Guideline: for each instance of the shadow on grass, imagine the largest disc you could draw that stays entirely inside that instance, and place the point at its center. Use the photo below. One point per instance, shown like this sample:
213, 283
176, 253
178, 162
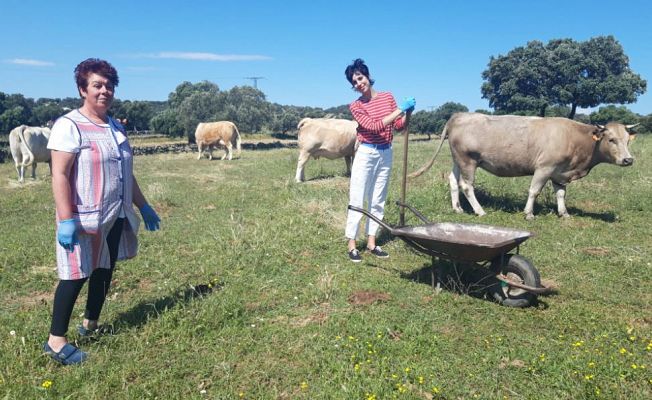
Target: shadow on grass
514, 206
326, 177
472, 280
284, 136
143, 312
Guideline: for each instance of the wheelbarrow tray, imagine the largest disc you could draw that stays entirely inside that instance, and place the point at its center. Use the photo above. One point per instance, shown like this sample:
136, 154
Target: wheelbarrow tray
461, 242
455, 241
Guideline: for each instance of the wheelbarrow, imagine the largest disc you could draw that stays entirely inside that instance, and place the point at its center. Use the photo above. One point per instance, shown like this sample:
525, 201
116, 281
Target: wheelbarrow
519, 281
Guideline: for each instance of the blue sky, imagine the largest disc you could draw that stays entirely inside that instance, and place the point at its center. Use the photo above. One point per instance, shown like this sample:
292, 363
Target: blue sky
434, 51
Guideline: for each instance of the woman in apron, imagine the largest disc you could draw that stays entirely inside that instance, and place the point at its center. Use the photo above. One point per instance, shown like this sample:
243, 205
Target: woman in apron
94, 193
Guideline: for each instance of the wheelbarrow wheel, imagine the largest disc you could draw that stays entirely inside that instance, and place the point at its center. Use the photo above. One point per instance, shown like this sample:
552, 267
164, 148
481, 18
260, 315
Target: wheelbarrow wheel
518, 269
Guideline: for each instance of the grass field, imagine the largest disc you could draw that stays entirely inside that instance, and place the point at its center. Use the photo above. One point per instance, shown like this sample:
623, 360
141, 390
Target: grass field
247, 292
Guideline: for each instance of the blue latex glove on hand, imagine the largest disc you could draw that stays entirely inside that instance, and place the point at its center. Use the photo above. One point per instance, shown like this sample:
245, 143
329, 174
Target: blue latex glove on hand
150, 217
407, 104
67, 234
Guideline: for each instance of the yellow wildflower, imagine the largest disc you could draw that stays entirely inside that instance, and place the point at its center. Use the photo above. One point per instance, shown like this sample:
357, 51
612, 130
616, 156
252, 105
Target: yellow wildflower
304, 385
46, 384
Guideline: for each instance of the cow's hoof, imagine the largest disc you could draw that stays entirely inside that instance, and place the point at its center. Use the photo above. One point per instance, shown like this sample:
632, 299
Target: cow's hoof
529, 217
565, 215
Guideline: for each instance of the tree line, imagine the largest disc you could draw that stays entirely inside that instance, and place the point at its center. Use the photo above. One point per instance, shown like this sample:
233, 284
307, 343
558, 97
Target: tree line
553, 79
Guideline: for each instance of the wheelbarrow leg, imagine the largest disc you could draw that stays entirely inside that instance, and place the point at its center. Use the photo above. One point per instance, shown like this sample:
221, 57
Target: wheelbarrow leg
434, 279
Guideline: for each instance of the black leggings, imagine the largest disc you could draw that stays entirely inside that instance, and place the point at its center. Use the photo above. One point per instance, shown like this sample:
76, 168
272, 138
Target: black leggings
98, 286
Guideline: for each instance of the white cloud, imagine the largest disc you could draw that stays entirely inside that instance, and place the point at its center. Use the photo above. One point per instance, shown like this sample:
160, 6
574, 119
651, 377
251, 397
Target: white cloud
34, 63
179, 55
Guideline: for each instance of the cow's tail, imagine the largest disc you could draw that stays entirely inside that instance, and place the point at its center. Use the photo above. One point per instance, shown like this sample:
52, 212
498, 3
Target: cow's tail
238, 141
427, 166
29, 159
302, 123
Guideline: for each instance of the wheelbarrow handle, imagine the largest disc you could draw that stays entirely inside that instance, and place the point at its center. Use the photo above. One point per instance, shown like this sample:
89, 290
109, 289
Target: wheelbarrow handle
368, 214
414, 211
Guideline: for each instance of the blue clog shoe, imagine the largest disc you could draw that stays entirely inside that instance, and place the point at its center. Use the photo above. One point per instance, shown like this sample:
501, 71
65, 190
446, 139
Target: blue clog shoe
69, 354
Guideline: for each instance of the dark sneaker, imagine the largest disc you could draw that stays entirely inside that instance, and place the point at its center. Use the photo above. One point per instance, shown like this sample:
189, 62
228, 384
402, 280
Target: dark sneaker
354, 255
378, 252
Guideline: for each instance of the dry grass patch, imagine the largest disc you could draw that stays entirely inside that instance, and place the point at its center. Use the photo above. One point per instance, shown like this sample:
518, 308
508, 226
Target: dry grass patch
31, 301
368, 297
596, 251
335, 218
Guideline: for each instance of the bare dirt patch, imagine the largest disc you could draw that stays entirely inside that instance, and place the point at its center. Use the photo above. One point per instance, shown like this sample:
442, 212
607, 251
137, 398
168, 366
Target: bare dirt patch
317, 318
596, 251
506, 362
31, 301
368, 297
550, 283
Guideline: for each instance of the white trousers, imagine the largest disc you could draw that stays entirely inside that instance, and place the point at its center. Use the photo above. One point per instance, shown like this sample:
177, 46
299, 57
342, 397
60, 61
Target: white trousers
369, 183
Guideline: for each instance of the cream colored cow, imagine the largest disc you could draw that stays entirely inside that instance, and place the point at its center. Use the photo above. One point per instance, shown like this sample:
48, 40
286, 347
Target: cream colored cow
559, 150
325, 137
212, 134
29, 145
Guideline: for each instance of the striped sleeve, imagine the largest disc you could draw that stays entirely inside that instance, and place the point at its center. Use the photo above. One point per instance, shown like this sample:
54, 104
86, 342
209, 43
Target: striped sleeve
366, 121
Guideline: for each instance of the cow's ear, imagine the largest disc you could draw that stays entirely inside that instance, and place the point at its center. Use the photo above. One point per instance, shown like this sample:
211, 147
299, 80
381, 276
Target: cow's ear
598, 132
632, 136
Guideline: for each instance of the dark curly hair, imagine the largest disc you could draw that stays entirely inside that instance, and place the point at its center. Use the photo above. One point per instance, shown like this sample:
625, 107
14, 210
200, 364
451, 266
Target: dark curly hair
358, 65
95, 66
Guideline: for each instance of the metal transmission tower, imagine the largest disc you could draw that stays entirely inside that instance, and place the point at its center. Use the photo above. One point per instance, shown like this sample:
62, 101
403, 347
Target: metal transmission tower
255, 80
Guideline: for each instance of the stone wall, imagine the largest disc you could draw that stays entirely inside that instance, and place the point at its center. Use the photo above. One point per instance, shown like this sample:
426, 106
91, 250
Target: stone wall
5, 154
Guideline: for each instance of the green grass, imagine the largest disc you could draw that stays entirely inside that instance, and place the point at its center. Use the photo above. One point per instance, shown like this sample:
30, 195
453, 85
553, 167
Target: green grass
284, 322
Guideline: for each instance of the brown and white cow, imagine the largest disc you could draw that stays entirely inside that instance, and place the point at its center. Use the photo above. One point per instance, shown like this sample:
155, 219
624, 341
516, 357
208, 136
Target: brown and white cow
212, 134
325, 137
556, 149
29, 145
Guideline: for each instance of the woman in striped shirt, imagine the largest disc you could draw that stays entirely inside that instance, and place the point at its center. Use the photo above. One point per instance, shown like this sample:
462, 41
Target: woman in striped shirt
377, 115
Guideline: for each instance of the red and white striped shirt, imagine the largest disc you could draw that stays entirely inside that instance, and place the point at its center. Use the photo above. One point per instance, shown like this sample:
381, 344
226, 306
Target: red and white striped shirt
369, 114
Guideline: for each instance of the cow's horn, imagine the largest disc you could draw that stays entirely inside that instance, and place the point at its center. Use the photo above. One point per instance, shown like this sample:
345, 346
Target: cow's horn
601, 127
632, 126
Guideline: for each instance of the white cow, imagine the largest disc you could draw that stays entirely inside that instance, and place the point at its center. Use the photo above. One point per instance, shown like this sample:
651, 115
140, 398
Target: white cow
29, 145
325, 137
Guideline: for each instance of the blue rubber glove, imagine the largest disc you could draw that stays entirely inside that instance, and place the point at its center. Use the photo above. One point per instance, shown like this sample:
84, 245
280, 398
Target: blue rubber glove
150, 217
407, 104
67, 234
